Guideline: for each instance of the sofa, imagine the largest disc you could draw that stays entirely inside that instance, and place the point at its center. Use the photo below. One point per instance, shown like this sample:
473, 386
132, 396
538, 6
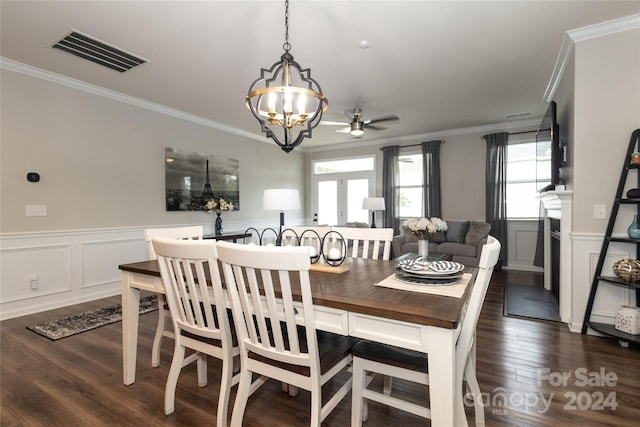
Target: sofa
463, 240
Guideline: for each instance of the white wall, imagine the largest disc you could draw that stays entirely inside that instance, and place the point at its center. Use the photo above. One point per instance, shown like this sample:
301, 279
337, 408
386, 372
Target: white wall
101, 163
606, 111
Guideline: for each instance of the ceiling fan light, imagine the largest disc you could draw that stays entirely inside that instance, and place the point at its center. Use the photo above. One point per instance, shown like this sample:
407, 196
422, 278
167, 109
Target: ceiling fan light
357, 128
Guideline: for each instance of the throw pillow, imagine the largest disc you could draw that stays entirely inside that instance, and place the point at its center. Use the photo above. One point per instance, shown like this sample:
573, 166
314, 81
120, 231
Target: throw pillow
456, 231
477, 231
439, 237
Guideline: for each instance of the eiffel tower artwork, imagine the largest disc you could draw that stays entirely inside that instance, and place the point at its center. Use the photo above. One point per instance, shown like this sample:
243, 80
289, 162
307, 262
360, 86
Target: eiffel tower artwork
207, 192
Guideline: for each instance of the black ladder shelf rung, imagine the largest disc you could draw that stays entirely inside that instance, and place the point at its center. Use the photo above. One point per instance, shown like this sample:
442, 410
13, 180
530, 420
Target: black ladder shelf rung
620, 199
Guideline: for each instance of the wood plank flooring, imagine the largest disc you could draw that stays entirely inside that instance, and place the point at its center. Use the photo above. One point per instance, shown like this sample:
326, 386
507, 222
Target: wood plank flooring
77, 381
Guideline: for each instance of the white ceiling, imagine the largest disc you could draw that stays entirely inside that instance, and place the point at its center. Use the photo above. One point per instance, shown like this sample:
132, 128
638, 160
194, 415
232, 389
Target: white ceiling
437, 65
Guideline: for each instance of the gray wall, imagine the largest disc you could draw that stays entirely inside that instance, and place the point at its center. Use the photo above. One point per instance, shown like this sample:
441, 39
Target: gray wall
607, 110
101, 161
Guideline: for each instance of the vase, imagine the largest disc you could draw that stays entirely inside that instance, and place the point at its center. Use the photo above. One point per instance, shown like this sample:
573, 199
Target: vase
634, 230
423, 248
218, 224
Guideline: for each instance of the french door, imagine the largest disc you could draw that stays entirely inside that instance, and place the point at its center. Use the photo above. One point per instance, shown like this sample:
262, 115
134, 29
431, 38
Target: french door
338, 197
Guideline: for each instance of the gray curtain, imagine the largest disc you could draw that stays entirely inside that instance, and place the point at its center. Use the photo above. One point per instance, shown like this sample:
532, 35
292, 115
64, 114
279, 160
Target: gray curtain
390, 187
496, 188
431, 173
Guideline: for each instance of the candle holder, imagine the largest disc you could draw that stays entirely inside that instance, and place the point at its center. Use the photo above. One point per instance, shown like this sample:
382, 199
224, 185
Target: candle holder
266, 239
288, 237
334, 248
312, 240
253, 239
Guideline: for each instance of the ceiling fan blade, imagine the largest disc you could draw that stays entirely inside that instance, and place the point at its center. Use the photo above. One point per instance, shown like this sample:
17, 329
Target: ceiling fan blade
390, 118
344, 130
373, 127
330, 123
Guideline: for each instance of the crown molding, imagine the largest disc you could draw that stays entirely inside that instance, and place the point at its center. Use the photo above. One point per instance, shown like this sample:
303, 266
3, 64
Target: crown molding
38, 73
572, 37
606, 28
496, 127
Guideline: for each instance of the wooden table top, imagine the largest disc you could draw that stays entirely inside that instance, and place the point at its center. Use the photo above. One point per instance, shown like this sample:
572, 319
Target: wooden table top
354, 290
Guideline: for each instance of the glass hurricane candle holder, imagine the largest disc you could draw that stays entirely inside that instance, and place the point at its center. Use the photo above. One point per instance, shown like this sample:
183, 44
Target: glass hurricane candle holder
334, 248
312, 240
289, 238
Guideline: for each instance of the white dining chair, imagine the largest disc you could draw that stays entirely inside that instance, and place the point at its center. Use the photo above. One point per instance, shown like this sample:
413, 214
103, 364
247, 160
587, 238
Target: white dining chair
370, 358
367, 243
261, 283
201, 321
164, 327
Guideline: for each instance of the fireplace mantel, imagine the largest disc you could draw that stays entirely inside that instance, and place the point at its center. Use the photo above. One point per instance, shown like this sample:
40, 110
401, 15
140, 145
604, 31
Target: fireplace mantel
553, 200
558, 204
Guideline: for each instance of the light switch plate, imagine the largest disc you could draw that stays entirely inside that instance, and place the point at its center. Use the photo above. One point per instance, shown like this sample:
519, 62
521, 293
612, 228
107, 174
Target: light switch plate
599, 211
36, 210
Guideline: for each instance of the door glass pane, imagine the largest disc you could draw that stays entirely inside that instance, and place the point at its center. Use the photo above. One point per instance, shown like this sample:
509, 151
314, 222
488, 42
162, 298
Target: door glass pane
357, 189
328, 203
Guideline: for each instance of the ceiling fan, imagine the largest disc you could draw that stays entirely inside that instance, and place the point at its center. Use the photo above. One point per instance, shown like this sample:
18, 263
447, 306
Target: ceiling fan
357, 125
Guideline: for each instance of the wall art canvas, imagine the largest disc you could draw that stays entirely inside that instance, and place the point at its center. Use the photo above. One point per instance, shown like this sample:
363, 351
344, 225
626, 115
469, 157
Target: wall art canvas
192, 179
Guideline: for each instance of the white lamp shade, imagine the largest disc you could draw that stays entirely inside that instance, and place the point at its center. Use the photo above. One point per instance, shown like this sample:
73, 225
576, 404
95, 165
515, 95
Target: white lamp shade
373, 203
280, 200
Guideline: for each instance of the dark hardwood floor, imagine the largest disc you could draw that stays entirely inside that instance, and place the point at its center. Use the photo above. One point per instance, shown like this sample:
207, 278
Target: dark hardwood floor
533, 373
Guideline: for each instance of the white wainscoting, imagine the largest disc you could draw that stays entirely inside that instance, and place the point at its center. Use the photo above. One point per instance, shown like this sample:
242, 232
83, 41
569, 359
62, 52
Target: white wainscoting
71, 266
522, 236
586, 250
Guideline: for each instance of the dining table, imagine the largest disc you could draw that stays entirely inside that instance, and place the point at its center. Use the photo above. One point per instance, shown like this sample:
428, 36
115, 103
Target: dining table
352, 301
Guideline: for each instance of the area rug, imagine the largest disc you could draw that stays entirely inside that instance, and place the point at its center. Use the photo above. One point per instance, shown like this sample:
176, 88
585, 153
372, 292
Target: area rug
533, 302
78, 323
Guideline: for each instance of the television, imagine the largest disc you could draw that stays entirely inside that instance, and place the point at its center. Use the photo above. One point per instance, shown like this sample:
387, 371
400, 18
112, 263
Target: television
548, 145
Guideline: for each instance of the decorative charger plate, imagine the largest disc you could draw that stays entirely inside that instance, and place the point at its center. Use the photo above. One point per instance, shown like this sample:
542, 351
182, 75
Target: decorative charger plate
434, 268
426, 281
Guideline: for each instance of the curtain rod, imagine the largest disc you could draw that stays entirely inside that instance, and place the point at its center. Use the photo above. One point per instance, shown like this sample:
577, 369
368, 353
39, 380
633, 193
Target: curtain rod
516, 133
413, 145
526, 131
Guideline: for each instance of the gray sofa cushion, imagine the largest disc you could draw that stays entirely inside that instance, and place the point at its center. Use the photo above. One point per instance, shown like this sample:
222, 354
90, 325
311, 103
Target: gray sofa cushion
456, 231
476, 232
456, 249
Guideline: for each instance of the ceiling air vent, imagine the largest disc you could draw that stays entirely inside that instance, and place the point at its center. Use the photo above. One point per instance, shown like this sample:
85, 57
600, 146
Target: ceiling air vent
97, 51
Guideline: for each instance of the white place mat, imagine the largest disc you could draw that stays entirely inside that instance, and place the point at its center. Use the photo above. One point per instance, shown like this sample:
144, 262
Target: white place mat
456, 290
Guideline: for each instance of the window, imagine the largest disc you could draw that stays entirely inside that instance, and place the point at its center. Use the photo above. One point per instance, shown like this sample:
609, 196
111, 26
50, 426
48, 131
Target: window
528, 171
410, 186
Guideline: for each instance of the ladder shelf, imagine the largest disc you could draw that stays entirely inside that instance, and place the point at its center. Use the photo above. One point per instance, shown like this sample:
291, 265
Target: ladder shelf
620, 199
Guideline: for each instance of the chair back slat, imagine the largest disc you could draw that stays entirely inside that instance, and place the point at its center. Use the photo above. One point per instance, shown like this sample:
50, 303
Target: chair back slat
194, 232
488, 260
193, 286
260, 282
367, 242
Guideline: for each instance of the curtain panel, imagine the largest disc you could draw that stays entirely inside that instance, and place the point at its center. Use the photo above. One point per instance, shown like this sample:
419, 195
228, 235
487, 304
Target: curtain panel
431, 178
496, 188
390, 187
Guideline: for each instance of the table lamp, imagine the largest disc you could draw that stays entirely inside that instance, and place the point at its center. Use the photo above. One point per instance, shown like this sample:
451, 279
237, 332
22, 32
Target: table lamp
280, 200
373, 204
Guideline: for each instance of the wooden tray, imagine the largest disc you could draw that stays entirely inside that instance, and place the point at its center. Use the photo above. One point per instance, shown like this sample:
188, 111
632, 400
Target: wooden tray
326, 268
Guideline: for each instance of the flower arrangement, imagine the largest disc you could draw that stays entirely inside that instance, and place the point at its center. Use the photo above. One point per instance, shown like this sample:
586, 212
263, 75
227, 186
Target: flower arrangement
423, 228
218, 205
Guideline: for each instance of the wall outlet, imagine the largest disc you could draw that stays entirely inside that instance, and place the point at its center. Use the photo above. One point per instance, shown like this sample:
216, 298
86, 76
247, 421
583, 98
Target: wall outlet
33, 282
36, 210
599, 211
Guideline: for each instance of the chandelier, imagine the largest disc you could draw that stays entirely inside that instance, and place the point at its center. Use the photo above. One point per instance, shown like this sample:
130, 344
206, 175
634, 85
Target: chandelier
287, 102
